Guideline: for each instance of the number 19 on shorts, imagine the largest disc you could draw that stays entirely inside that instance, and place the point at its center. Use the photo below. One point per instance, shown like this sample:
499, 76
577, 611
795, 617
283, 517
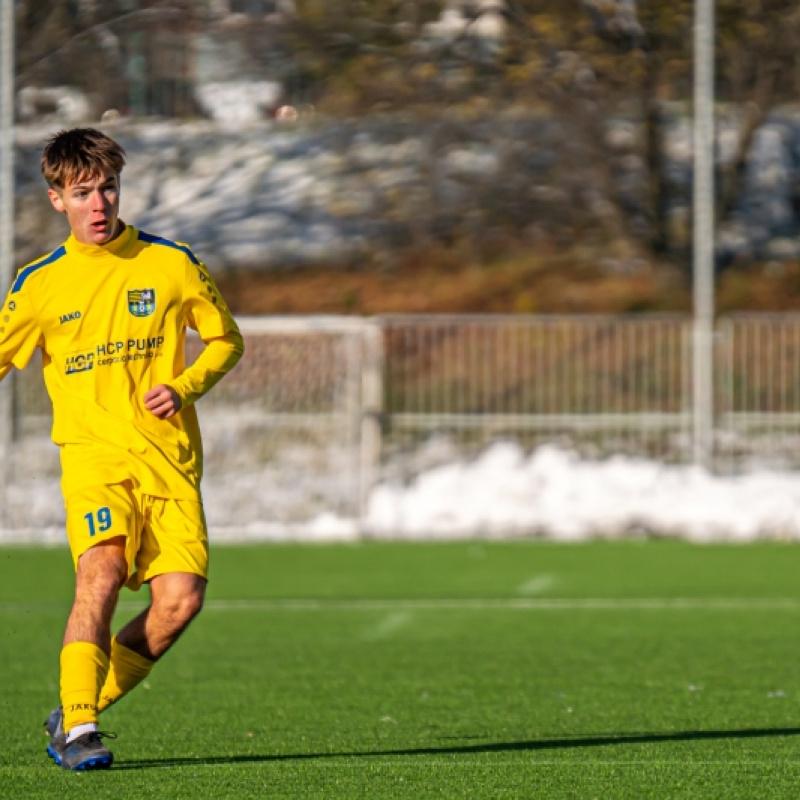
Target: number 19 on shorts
99, 520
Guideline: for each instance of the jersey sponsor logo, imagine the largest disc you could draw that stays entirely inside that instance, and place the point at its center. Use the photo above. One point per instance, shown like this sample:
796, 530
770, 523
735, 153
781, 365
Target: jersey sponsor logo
123, 352
141, 302
79, 362
73, 315
12, 306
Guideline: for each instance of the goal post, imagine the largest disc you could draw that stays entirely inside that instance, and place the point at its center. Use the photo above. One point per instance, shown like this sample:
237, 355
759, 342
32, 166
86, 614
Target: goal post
298, 420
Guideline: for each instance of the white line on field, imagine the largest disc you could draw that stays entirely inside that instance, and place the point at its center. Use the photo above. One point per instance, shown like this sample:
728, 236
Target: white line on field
538, 584
467, 604
389, 625
512, 604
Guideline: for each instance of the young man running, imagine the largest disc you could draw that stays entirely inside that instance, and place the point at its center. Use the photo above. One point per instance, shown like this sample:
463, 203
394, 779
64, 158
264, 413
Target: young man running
109, 310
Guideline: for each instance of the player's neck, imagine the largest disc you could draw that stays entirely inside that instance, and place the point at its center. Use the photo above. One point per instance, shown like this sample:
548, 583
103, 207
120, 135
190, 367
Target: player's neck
114, 246
118, 231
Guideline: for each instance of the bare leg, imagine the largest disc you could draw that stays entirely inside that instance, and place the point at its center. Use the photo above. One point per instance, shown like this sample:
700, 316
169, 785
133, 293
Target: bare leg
176, 599
101, 572
87, 639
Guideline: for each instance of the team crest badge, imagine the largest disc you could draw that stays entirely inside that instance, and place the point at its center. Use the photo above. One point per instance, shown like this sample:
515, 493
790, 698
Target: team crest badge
141, 302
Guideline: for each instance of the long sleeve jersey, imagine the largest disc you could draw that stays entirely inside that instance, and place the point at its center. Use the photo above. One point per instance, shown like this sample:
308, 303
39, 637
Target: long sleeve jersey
111, 322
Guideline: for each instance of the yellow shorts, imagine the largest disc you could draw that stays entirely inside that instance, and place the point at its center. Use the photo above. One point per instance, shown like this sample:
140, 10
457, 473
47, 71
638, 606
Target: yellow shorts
162, 535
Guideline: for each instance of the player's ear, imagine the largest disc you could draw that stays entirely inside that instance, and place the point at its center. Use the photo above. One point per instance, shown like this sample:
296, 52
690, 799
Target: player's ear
56, 200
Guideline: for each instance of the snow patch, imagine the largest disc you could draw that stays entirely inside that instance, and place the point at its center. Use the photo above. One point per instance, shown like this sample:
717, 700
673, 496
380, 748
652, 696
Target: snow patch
503, 493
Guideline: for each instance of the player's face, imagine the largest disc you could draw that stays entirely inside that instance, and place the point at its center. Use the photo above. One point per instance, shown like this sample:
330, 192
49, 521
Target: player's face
92, 207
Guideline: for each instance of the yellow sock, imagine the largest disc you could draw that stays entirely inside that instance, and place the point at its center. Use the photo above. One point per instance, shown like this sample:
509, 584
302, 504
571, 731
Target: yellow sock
83, 671
128, 669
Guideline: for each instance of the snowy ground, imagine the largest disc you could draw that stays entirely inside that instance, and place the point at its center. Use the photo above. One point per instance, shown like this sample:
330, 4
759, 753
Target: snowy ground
503, 493
552, 493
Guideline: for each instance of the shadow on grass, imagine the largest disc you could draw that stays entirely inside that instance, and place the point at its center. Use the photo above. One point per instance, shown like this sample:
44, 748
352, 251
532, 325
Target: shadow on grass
495, 747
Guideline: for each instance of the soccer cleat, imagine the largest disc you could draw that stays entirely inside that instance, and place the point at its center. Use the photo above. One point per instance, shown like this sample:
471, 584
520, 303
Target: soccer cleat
87, 752
54, 725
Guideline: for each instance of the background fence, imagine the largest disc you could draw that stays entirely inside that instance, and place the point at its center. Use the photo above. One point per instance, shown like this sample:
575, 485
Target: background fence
322, 409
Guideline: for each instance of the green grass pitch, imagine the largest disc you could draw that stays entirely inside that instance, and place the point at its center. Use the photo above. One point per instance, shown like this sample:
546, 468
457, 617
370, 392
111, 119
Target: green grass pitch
462, 670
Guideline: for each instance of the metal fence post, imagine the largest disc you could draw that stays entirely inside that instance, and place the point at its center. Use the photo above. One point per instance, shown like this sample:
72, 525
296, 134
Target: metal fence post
703, 234
372, 392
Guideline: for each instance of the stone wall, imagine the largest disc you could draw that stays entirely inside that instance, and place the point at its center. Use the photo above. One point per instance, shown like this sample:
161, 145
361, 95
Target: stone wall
356, 193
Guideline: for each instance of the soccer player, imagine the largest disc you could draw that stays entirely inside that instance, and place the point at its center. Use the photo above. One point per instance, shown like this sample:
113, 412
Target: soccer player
109, 309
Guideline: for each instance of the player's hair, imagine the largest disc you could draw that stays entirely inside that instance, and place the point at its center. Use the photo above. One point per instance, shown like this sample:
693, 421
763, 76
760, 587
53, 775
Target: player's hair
80, 153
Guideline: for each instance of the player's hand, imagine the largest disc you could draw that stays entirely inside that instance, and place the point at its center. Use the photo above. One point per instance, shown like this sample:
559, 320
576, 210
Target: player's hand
162, 402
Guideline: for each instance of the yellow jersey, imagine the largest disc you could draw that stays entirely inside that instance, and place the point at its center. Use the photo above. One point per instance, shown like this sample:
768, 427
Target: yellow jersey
111, 322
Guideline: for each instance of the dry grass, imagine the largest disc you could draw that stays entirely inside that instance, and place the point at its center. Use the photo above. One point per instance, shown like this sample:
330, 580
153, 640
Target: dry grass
513, 285
521, 283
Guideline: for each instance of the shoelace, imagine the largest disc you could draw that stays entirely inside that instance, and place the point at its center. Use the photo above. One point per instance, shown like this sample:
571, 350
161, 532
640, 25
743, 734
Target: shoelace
93, 736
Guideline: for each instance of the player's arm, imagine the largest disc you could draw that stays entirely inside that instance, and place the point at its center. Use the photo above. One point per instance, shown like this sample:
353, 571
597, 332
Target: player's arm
206, 312
19, 331
217, 359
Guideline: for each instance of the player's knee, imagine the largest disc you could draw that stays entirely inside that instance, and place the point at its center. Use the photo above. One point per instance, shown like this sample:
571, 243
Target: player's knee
180, 609
191, 605
177, 599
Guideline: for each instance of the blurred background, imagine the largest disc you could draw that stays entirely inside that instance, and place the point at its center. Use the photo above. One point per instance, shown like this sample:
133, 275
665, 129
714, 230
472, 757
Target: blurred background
459, 155
458, 234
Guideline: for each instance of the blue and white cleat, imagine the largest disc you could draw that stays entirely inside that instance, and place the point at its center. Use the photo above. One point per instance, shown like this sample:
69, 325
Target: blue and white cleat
87, 752
54, 725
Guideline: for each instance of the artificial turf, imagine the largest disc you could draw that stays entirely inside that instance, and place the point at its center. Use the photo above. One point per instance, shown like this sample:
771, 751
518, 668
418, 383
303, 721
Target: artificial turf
478, 670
